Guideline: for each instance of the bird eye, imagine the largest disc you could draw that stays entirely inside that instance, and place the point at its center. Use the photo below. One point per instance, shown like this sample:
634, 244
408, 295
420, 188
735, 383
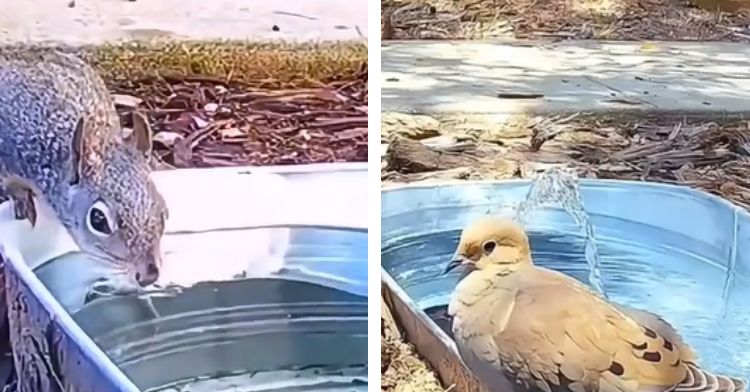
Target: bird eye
99, 220
489, 246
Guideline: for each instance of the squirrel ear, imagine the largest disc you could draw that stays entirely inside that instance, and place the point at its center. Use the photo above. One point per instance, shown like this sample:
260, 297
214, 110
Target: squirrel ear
140, 137
76, 152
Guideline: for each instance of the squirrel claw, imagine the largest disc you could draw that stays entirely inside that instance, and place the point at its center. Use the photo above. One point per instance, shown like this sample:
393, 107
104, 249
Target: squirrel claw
23, 206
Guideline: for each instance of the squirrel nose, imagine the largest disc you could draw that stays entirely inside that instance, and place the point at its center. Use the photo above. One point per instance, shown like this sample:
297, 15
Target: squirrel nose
148, 275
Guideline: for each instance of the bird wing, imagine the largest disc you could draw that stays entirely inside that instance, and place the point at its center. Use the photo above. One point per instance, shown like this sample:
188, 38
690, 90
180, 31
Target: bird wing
661, 327
544, 329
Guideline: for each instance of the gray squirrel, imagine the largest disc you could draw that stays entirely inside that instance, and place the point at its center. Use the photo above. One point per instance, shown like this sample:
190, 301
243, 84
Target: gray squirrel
61, 143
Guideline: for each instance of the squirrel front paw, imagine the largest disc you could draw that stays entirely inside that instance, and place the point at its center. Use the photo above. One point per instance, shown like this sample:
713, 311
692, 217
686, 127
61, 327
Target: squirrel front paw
24, 208
23, 202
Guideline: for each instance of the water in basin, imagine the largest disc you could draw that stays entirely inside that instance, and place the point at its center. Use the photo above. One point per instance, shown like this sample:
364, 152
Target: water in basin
685, 290
261, 334
632, 264
311, 379
304, 328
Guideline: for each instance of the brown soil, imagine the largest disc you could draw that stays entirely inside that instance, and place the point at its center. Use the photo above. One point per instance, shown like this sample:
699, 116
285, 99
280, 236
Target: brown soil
402, 370
201, 122
707, 155
234, 103
674, 20
223, 103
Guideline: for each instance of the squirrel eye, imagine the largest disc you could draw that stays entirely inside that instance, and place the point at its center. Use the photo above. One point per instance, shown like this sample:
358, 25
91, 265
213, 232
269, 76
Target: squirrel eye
489, 246
99, 220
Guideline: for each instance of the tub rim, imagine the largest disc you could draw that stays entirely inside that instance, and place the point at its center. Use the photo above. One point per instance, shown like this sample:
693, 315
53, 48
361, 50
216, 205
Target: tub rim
587, 182
430, 341
89, 350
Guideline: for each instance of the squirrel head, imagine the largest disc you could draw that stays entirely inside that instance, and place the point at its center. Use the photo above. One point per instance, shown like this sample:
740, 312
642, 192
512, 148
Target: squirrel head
118, 215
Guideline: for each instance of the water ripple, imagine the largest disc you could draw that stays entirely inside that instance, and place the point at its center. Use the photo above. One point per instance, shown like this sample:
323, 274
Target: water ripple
685, 289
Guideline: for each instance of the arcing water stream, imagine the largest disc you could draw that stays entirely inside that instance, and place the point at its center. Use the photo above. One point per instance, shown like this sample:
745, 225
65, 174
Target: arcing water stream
559, 188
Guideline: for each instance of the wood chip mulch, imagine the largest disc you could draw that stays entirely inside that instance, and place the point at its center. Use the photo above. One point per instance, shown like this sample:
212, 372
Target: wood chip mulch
629, 20
707, 155
205, 122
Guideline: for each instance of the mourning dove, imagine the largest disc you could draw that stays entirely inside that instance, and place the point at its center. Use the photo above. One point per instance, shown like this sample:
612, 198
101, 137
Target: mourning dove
542, 330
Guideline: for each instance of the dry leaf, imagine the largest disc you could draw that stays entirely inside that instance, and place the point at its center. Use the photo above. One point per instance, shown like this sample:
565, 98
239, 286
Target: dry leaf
231, 132
168, 139
127, 101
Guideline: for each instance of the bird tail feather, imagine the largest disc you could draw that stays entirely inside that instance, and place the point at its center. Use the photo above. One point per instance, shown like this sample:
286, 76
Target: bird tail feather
699, 380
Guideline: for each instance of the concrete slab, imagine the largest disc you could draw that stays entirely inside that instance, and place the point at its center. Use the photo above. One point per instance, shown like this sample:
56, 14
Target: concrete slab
96, 21
505, 78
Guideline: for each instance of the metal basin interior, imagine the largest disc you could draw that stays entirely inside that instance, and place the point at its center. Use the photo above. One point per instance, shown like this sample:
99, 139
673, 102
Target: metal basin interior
286, 323
694, 222
254, 333
311, 315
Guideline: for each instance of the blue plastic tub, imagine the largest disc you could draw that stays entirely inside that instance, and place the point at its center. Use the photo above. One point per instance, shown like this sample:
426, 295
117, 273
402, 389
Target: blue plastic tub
420, 224
272, 329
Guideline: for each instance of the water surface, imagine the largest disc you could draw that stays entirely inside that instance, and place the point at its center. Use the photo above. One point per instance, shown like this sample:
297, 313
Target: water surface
303, 328
680, 286
314, 379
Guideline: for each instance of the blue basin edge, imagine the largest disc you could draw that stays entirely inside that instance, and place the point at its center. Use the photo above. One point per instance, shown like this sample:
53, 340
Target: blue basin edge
719, 227
691, 213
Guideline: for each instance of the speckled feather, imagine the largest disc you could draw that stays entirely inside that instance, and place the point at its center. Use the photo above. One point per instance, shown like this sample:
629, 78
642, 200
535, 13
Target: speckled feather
543, 330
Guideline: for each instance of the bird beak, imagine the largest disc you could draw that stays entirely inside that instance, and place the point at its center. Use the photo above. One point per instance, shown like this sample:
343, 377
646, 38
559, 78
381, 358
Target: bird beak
456, 261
